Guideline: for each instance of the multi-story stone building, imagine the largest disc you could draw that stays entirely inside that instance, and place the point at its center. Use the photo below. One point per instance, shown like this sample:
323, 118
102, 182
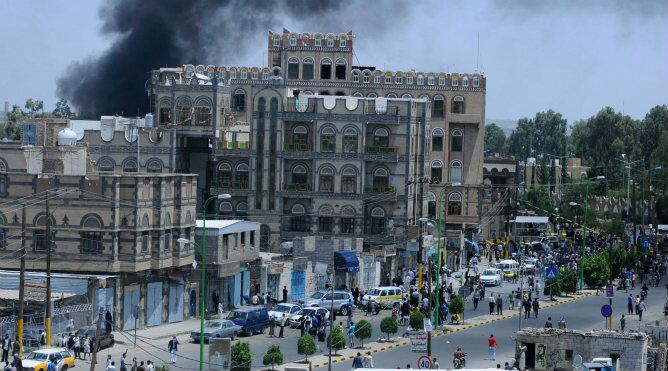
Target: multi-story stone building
313, 144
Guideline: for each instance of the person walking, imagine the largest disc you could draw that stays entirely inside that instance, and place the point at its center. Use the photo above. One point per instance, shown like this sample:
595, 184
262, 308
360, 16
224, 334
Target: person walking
499, 305
535, 305
435, 364
281, 324
476, 299
123, 362
351, 334
629, 304
77, 348
272, 326
285, 294
527, 308
491, 302
622, 323
491, 342
357, 361
173, 346
641, 309
367, 362
6, 344
637, 302
511, 299
562, 324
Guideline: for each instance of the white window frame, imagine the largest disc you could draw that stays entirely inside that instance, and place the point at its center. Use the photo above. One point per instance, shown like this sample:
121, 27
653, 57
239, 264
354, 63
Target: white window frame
441, 81
420, 80
476, 82
376, 79
366, 78
398, 80
388, 79
330, 43
342, 43
356, 77
254, 75
409, 80
265, 75
430, 80
244, 75
277, 42
293, 41
233, 75
454, 82
318, 42
465, 82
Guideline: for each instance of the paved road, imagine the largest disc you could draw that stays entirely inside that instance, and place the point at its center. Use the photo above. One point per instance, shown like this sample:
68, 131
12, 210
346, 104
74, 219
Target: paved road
583, 314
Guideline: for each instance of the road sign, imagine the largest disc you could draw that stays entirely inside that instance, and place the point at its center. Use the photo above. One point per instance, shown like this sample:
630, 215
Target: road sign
551, 273
610, 290
645, 244
606, 310
424, 363
418, 341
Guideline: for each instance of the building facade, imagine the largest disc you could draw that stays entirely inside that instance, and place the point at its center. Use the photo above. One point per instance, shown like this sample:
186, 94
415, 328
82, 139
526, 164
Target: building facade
313, 144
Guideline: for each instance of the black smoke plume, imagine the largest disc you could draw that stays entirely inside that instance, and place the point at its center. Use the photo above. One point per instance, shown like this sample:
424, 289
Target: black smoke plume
150, 34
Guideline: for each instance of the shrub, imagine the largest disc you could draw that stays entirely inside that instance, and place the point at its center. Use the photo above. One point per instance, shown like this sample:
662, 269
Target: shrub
416, 321
552, 286
306, 346
363, 330
274, 356
456, 305
389, 326
336, 338
567, 281
596, 270
241, 356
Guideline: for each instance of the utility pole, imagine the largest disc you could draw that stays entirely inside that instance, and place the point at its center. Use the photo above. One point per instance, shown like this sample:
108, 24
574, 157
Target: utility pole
431, 312
507, 247
22, 281
47, 317
635, 210
96, 345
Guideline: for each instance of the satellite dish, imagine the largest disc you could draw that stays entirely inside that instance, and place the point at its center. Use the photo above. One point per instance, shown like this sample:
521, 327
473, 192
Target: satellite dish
577, 361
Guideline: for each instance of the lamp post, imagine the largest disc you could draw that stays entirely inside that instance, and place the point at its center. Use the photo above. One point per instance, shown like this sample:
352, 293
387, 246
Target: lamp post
584, 229
203, 274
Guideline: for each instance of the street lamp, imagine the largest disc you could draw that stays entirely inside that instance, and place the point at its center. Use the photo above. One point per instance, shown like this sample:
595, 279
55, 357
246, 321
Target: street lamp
584, 228
221, 196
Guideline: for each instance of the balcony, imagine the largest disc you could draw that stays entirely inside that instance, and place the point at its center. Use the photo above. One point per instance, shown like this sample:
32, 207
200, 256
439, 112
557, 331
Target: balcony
239, 184
380, 193
465, 118
380, 150
298, 147
381, 153
297, 187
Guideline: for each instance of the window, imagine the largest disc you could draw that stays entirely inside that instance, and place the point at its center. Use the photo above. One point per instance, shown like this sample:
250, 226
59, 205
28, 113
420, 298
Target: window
476, 82
265, 75
378, 220
293, 41
307, 69
406, 96
376, 80
420, 80
398, 80
372, 95
243, 238
431, 209
277, 42
183, 111
340, 71
233, 75
330, 43
456, 141
298, 219
388, 79
224, 174
325, 224
293, 68
202, 112
244, 75
254, 75
326, 182
458, 104
366, 78
239, 100
391, 95
441, 81
105, 164
455, 204
348, 225
356, 77
225, 208
381, 138
437, 139
381, 179
358, 95
349, 181
165, 113
454, 82
318, 42
465, 82
328, 140
409, 80
299, 175
242, 176
342, 43
154, 165
349, 140
325, 69
300, 137
437, 170
242, 211
91, 241
130, 165
456, 171
438, 106
430, 80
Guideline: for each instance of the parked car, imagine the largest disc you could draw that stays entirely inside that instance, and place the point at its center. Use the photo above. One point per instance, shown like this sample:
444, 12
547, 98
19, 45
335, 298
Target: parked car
491, 277
251, 319
38, 360
385, 296
104, 340
222, 328
298, 319
285, 308
324, 299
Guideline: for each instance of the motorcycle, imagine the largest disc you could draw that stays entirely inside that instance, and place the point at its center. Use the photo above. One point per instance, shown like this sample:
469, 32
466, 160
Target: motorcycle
372, 308
459, 363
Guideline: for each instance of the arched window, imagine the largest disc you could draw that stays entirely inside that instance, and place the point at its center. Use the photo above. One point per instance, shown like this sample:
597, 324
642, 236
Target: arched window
378, 222
349, 181
381, 180
350, 140
430, 197
398, 80
299, 177
476, 82
277, 41
347, 220
154, 165
183, 110
224, 171
328, 139
130, 165
298, 218
441, 81
241, 180
325, 220
454, 82
438, 106
340, 93
318, 41
376, 79
300, 137
465, 82
366, 77
340, 71
293, 68
293, 41
91, 237
330, 42
456, 141
358, 95
39, 239
437, 139
372, 95
225, 207
307, 69
242, 209
165, 111
437, 170
420, 80
381, 138
265, 75
391, 95
326, 180
326, 69
455, 203
356, 77
430, 80
458, 104
106, 164
456, 171
239, 100
406, 96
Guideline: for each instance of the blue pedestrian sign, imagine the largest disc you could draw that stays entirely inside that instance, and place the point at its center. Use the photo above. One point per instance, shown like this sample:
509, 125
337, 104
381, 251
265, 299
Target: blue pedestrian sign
645, 244
551, 273
606, 311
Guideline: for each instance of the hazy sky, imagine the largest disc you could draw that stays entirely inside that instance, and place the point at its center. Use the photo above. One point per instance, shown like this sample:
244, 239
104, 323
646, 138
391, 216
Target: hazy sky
571, 56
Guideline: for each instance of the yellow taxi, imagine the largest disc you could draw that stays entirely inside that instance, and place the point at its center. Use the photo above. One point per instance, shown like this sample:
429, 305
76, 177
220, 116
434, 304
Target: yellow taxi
38, 360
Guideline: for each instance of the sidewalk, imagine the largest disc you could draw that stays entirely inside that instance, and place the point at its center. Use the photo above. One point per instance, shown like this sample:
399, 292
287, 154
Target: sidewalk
164, 331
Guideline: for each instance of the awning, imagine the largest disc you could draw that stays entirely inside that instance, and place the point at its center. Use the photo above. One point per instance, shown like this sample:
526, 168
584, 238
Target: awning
347, 261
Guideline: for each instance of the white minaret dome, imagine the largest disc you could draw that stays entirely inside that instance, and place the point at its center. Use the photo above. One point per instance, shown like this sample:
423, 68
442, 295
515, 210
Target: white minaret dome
67, 137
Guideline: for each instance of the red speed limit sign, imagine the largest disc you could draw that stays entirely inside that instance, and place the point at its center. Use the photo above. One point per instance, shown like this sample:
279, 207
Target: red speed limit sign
424, 362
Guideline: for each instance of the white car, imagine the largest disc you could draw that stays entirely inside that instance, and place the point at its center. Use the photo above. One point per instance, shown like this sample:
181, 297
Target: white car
285, 308
491, 277
529, 265
298, 319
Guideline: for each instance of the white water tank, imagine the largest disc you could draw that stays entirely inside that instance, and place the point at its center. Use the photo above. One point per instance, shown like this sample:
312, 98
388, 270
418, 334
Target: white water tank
67, 137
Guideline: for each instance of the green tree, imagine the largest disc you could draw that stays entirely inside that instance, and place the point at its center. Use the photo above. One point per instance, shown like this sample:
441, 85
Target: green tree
363, 330
567, 281
552, 287
389, 326
616, 260
596, 270
336, 339
456, 305
241, 356
416, 321
495, 139
63, 109
544, 134
306, 346
273, 357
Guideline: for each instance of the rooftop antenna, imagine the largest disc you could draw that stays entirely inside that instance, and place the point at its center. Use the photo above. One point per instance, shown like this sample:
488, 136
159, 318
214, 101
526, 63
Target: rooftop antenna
477, 58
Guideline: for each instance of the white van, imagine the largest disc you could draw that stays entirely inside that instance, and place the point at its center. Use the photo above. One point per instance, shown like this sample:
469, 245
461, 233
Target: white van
385, 296
509, 268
